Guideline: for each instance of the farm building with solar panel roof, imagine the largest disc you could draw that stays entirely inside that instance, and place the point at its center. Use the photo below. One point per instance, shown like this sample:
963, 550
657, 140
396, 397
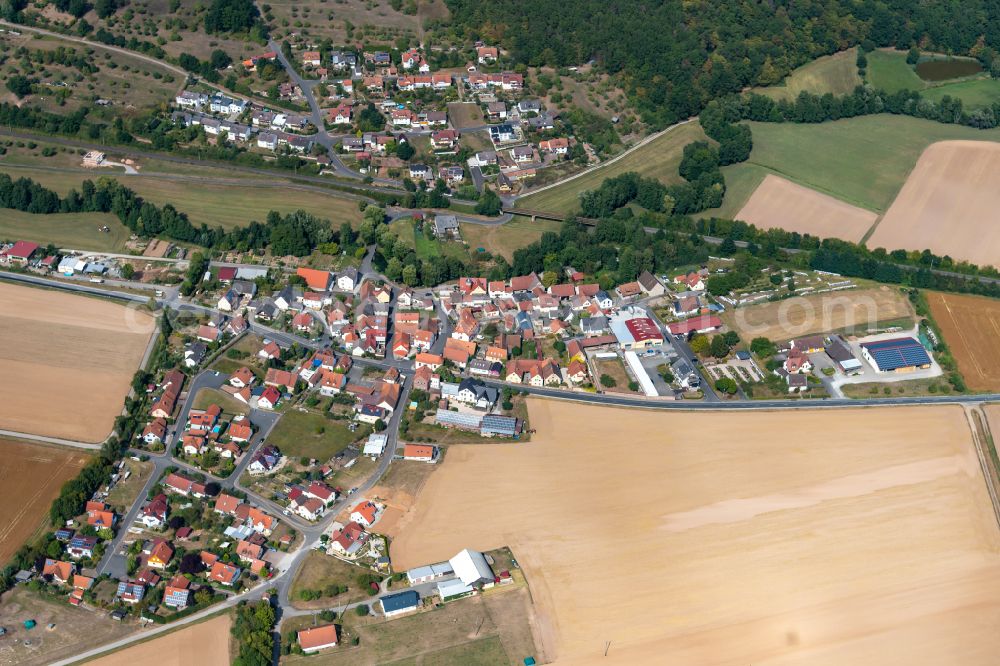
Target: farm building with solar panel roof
896, 355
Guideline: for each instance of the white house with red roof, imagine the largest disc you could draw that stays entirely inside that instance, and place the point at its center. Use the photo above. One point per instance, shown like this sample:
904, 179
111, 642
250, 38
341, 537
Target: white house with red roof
366, 513
19, 253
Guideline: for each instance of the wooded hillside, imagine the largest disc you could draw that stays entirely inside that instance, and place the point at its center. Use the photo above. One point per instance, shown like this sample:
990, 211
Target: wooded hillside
674, 57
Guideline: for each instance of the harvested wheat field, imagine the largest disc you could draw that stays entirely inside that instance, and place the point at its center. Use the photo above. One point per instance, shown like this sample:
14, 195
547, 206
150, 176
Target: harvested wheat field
686, 538
857, 309
783, 204
31, 475
203, 643
971, 328
948, 204
67, 361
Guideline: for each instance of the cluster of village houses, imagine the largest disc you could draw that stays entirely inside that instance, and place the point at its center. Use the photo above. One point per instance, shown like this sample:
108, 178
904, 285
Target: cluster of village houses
247, 542
374, 77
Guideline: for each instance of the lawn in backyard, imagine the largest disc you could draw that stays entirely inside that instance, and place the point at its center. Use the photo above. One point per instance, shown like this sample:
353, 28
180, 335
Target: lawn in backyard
310, 435
319, 572
505, 238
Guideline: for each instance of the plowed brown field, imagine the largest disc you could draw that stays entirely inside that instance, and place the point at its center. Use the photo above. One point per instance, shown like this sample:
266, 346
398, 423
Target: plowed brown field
66, 361
813, 537
971, 328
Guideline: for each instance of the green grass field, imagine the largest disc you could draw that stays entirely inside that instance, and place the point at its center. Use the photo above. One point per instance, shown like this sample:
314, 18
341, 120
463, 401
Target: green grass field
889, 71
863, 161
228, 206
657, 159
230, 406
974, 93
298, 434
68, 230
837, 74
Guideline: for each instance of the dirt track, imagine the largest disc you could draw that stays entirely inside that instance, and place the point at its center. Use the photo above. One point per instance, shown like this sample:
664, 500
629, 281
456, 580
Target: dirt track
814, 537
66, 361
783, 204
948, 204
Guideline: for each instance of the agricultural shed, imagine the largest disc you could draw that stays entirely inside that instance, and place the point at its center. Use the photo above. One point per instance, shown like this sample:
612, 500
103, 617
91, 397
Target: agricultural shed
453, 589
401, 602
471, 567
896, 355
461, 420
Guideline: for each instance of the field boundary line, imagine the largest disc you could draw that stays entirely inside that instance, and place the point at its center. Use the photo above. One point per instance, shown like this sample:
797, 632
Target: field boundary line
596, 167
818, 188
979, 425
51, 440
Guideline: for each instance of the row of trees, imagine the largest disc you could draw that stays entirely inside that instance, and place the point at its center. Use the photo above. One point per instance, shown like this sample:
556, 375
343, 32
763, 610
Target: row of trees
296, 234
863, 101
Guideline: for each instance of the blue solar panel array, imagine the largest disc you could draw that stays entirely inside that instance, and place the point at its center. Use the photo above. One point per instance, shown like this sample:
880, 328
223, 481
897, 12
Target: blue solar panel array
899, 353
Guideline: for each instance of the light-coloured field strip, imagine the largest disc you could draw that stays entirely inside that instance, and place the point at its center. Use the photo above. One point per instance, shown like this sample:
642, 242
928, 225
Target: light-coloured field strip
66, 361
971, 329
856, 309
810, 537
948, 205
30, 478
204, 644
782, 204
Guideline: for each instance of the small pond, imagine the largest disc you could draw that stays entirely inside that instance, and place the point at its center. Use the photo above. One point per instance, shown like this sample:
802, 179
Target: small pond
942, 70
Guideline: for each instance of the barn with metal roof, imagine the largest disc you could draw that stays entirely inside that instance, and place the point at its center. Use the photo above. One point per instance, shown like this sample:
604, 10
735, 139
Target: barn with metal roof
896, 355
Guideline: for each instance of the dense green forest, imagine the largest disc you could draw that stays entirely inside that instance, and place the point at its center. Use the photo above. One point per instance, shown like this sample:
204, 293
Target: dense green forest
675, 56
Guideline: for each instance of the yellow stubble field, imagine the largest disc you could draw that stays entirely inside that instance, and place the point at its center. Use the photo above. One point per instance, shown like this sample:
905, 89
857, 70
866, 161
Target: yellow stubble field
66, 361
819, 537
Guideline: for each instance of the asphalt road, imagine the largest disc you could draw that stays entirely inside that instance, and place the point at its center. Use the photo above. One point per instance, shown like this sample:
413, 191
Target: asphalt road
562, 394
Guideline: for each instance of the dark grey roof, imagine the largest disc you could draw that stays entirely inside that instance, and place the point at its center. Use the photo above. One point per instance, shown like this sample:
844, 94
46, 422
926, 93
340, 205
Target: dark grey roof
400, 601
838, 350
501, 425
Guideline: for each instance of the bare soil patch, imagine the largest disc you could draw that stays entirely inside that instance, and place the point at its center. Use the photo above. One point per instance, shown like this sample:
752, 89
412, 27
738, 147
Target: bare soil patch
202, 643
971, 328
67, 361
860, 309
465, 114
76, 629
488, 629
948, 204
783, 204
30, 477
691, 539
